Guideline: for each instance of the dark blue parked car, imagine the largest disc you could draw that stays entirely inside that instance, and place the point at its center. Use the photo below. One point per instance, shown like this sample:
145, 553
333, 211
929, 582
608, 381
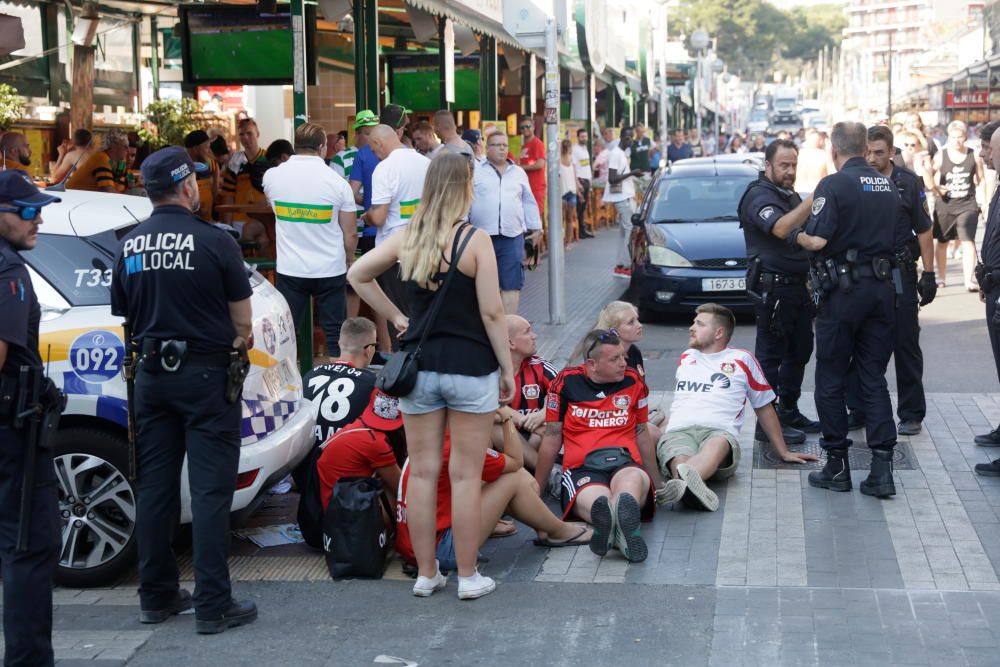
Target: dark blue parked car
688, 248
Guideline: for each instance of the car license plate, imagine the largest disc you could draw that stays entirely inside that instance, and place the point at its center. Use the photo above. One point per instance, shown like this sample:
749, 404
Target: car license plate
273, 381
723, 284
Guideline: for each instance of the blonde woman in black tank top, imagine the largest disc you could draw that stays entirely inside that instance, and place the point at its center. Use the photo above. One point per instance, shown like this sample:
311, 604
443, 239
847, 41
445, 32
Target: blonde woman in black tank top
465, 365
958, 173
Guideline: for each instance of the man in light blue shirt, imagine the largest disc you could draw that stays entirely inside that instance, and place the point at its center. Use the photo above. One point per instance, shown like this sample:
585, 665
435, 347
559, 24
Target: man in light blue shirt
504, 207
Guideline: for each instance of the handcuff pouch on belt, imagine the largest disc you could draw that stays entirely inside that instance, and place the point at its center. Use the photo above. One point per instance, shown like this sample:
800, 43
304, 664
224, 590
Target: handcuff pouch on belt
163, 355
827, 275
757, 297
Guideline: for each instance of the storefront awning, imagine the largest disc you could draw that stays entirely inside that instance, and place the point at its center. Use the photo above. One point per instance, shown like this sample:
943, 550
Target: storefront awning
483, 16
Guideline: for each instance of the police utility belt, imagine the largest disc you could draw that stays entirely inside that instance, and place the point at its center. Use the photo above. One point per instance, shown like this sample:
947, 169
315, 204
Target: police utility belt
158, 356
987, 277
827, 275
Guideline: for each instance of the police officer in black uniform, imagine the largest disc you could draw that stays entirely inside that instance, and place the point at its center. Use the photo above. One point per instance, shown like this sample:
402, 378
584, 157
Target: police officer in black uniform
850, 233
27, 572
183, 289
913, 239
988, 276
776, 284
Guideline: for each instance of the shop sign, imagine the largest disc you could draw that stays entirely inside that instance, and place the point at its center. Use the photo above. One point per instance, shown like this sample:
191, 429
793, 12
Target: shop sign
966, 99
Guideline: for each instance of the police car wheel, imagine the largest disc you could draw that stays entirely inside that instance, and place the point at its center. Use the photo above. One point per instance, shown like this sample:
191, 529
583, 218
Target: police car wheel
97, 504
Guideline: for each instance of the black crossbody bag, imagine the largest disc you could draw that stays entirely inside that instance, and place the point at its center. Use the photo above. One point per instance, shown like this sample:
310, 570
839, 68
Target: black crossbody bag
399, 375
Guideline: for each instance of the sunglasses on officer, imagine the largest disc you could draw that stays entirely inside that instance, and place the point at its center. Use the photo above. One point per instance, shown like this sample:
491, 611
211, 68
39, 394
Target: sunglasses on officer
27, 213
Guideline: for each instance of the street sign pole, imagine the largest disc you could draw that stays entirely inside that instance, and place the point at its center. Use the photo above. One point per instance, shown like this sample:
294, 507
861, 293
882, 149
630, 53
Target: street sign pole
557, 287
299, 55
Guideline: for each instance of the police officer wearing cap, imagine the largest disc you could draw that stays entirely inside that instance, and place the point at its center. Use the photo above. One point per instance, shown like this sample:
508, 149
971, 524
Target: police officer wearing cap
181, 285
852, 242
776, 284
913, 239
28, 567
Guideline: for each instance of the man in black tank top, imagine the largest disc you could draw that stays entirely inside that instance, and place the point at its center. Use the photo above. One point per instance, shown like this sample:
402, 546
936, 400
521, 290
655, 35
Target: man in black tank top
956, 214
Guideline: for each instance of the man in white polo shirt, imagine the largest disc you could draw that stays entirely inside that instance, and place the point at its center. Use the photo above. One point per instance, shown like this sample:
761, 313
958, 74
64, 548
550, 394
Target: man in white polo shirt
702, 438
397, 185
620, 191
581, 163
316, 232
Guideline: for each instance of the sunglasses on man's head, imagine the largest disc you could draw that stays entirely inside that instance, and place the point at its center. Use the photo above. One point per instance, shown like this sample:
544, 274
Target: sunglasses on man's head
27, 213
525, 127
609, 337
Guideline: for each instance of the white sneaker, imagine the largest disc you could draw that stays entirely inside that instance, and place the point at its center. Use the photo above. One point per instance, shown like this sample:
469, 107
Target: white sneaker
427, 586
476, 586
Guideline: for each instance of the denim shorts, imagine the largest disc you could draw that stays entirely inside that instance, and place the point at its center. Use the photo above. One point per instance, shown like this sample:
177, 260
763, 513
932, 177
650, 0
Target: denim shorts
510, 256
570, 198
446, 552
464, 393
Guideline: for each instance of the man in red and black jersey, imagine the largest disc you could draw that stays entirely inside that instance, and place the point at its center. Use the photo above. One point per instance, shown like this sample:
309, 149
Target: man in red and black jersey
598, 413
531, 385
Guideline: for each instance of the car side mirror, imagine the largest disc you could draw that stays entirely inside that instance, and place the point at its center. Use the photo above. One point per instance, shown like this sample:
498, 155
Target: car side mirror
637, 219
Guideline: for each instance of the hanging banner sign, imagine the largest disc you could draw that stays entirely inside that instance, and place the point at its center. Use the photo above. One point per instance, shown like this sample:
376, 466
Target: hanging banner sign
960, 99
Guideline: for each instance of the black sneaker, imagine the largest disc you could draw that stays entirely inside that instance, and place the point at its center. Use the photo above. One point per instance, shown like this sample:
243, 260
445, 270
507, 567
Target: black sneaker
991, 439
793, 436
791, 416
181, 602
627, 534
238, 613
991, 469
910, 427
603, 520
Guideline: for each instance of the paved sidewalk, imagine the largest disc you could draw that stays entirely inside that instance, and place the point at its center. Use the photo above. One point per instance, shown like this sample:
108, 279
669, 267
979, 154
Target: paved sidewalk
782, 574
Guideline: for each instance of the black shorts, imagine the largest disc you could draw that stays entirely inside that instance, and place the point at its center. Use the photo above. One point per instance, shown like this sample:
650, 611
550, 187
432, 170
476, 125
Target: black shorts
576, 480
951, 225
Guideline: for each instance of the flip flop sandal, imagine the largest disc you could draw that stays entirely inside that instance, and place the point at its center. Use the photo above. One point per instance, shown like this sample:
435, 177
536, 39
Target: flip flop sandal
512, 530
574, 541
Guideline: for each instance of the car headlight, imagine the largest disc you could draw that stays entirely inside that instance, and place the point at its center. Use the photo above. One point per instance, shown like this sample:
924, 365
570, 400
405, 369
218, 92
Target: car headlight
661, 256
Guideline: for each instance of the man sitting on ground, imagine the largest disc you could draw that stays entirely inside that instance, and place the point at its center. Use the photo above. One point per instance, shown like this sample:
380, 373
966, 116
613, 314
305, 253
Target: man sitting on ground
597, 411
365, 448
508, 488
702, 438
531, 386
343, 388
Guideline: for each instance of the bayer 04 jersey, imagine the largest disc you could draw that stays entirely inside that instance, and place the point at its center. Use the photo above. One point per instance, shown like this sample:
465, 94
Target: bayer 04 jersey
596, 415
712, 389
531, 385
342, 393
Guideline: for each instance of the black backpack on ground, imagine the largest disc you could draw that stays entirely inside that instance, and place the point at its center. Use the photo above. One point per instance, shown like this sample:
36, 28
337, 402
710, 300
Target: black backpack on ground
310, 513
355, 537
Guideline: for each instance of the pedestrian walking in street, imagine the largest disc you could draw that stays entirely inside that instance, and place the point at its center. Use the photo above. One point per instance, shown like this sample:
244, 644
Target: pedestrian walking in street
678, 149
852, 257
776, 285
957, 174
316, 233
812, 164
465, 367
584, 174
698, 148
29, 567
912, 240
988, 274
620, 191
640, 152
190, 324
397, 184
532, 160
504, 207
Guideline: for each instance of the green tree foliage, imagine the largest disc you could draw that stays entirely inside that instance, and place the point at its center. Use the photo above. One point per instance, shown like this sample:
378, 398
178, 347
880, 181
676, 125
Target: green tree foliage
752, 34
168, 121
11, 106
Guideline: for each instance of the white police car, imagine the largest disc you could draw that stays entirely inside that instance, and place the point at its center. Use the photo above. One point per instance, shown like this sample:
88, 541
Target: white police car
82, 346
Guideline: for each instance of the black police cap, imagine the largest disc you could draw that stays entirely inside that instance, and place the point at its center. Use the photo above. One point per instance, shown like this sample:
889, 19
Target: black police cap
18, 189
168, 166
